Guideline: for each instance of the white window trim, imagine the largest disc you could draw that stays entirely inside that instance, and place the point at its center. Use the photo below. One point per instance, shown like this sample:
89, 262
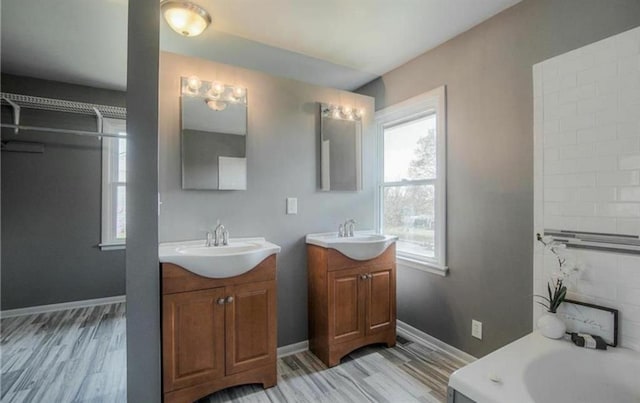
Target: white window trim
108, 241
410, 109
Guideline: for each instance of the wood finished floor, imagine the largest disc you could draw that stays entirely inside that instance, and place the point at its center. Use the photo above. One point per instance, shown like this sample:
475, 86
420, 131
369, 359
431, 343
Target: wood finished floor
79, 356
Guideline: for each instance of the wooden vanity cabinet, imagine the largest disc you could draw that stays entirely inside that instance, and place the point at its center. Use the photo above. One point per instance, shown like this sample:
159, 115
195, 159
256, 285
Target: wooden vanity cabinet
351, 303
217, 333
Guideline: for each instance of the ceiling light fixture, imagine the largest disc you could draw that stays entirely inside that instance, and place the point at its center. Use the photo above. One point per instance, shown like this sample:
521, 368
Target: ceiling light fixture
185, 17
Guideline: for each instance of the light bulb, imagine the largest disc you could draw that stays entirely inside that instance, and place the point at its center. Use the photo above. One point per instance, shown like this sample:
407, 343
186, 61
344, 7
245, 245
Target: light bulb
336, 113
194, 83
359, 113
216, 105
346, 110
217, 88
238, 92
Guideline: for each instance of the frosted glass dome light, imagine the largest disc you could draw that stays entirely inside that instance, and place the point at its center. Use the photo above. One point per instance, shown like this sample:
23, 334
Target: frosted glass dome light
185, 17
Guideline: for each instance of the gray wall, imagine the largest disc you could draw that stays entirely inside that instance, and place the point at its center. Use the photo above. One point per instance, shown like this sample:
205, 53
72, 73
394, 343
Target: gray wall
283, 159
487, 71
143, 275
52, 205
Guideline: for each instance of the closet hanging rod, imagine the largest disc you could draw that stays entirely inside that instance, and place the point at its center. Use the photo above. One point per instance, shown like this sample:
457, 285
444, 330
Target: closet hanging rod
61, 105
68, 131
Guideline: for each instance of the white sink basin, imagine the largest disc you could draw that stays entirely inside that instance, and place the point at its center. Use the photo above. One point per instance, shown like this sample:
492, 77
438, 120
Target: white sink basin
240, 256
362, 246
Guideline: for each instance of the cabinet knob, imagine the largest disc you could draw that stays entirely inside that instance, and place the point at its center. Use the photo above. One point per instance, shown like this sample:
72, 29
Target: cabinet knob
229, 299
363, 277
220, 301
369, 276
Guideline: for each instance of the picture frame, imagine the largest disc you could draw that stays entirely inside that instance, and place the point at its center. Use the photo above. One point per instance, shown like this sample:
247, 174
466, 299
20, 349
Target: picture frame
582, 317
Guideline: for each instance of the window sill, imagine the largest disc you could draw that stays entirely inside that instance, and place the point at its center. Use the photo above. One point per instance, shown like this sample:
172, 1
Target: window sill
105, 247
422, 265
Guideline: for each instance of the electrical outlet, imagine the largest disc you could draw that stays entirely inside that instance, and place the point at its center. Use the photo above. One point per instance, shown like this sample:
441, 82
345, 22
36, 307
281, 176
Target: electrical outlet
292, 205
476, 329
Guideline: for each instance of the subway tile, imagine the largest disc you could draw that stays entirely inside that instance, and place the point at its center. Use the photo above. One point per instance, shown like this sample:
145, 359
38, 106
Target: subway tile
575, 151
626, 45
595, 194
559, 222
577, 122
618, 210
550, 126
628, 327
628, 111
618, 178
598, 290
581, 165
559, 139
629, 270
598, 72
556, 194
629, 295
592, 105
630, 162
570, 209
560, 111
629, 129
573, 65
628, 226
576, 94
552, 154
606, 86
598, 133
630, 342
604, 52
570, 181
628, 65
630, 313
549, 70
629, 194
596, 224
626, 145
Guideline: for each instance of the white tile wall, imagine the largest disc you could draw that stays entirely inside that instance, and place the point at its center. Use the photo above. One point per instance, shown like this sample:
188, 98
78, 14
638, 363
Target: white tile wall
587, 168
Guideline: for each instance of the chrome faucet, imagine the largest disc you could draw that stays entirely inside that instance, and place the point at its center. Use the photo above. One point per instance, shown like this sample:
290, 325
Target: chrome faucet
209, 240
349, 227
220, 235
341, 232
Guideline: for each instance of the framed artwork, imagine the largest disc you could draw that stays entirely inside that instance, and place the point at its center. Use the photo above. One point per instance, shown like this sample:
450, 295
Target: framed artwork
581, 317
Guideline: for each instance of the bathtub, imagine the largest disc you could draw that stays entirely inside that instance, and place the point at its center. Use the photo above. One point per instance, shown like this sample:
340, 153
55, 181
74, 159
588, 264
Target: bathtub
537, 369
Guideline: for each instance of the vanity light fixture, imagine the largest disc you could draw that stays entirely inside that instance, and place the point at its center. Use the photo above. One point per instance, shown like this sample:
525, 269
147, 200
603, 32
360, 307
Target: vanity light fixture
215, 94
185, 17
342, 112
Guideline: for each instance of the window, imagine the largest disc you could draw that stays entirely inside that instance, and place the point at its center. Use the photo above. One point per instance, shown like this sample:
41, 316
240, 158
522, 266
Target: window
412, 179
114, 176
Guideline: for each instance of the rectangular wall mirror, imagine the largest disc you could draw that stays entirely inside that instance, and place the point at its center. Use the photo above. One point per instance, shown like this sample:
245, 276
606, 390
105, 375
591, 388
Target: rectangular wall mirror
214, 136
341, 149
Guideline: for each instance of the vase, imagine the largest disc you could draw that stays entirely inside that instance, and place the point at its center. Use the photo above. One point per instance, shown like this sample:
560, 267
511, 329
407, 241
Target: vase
551, 326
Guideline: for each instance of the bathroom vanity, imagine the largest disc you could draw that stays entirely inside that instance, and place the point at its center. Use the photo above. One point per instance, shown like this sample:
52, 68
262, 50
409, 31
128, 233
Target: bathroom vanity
217, 331
352, 302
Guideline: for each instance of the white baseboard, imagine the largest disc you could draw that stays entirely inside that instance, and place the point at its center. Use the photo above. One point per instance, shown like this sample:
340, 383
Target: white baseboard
411, 333
293, 348
33, 310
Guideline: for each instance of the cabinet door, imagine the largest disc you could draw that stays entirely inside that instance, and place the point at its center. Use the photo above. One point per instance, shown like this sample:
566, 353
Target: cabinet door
346, 305
192, 338
251, 326
381, 300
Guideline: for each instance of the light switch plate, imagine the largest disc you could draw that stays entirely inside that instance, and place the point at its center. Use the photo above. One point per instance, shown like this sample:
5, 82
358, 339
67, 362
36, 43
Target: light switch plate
292, 205
476, 329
